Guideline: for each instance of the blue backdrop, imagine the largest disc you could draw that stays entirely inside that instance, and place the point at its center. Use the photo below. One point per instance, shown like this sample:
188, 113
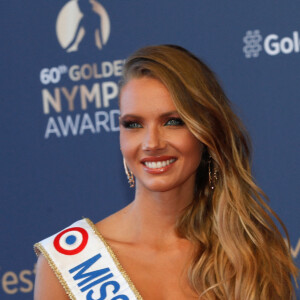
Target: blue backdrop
60, 64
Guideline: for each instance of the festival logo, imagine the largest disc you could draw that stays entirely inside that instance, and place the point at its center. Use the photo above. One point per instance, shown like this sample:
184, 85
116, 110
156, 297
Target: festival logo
272, 44
252, 41
82, 23
81, 98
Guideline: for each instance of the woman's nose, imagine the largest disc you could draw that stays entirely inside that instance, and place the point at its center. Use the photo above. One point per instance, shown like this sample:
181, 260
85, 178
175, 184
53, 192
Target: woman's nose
153, 139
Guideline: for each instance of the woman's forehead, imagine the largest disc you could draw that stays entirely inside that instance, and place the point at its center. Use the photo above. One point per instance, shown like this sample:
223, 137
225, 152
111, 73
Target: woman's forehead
140, 94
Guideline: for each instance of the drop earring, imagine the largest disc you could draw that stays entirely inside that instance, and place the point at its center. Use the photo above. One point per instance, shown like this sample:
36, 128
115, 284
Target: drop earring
212, 174
129, 174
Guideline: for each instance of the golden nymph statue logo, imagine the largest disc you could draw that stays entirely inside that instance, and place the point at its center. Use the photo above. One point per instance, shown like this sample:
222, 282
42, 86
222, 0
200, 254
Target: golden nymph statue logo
82, 23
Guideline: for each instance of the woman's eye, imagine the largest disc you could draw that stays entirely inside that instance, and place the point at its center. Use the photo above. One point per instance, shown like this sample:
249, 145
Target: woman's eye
174, 122
131, 124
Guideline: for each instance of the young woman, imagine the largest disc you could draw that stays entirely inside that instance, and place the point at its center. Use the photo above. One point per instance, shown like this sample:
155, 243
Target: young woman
198, 227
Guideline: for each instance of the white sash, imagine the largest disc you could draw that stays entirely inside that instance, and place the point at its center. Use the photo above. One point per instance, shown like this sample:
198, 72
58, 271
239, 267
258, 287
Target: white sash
85, 265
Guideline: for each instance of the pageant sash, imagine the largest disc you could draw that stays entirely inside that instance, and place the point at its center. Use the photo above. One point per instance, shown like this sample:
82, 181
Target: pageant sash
85, 265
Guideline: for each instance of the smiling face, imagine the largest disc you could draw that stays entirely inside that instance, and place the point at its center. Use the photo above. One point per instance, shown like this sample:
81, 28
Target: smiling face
158, 147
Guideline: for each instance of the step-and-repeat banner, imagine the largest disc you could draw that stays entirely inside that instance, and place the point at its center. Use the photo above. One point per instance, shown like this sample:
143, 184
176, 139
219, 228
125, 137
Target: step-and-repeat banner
61, 61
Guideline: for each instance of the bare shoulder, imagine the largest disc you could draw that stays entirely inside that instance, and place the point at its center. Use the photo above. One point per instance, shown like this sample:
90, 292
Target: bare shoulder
115, 227
47, 285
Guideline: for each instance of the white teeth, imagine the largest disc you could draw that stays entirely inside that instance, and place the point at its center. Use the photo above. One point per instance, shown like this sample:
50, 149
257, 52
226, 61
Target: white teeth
159, 164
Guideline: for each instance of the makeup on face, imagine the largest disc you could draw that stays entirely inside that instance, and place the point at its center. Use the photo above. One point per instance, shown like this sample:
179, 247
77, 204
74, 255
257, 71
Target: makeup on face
158, 147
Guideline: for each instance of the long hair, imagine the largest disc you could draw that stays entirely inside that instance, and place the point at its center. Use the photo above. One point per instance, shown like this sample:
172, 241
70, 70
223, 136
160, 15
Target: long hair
239, 251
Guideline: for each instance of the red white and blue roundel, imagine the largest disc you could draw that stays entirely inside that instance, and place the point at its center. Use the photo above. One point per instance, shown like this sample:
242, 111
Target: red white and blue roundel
71, 241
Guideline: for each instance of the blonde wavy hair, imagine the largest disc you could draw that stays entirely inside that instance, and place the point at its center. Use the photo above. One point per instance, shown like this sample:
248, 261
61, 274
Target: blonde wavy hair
239, 251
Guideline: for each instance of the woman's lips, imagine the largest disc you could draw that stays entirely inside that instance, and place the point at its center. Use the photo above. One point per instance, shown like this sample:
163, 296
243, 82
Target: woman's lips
158, 165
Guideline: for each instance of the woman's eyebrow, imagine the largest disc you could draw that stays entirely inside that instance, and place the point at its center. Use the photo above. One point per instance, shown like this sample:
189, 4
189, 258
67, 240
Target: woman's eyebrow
130, 116
166, 114
170, 113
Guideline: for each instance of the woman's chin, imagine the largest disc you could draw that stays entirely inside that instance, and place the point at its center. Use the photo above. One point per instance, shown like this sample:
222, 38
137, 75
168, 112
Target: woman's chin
157, 186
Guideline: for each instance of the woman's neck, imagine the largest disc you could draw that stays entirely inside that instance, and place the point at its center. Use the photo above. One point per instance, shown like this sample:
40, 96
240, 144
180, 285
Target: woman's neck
150, 220
152, 216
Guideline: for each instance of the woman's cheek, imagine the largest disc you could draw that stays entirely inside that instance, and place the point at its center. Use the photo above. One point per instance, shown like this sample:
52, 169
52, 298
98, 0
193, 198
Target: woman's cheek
128, 143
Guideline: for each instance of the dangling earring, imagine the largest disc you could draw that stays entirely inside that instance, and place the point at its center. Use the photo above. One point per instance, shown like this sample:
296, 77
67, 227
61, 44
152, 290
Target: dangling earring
129, 174
212, 174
